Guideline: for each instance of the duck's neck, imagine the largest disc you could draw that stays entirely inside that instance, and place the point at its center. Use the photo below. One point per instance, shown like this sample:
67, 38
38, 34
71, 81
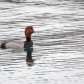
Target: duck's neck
28, 39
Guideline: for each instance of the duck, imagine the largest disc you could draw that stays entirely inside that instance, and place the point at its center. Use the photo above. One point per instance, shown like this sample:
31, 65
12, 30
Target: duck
17, 44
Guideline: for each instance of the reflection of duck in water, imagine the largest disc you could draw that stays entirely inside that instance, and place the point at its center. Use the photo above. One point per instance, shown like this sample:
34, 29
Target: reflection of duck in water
29, 59
20, 44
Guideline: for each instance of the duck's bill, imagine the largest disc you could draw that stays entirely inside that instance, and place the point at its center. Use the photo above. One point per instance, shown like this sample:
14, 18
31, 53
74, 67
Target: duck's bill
35, 32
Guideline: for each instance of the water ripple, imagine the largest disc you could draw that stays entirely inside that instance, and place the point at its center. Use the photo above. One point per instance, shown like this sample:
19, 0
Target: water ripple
58, 47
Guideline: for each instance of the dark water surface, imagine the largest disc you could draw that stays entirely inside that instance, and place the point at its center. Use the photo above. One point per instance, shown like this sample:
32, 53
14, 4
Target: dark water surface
58, 52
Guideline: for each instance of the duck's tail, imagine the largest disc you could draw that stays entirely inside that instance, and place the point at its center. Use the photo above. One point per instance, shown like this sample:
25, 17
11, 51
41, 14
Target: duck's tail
2, 45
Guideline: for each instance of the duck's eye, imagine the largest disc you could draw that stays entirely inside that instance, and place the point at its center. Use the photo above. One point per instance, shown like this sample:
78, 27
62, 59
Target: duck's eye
30, 29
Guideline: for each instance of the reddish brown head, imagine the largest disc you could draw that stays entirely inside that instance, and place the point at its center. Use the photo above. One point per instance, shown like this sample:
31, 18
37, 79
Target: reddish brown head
28, 31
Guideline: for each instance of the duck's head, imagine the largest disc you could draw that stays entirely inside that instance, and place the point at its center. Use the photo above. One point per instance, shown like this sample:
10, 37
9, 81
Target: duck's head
28, 31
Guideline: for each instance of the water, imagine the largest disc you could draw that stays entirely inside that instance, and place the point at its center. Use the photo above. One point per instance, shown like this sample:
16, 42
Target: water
58, 53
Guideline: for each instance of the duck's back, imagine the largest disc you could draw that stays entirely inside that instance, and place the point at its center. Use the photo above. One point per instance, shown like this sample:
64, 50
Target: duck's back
15, 44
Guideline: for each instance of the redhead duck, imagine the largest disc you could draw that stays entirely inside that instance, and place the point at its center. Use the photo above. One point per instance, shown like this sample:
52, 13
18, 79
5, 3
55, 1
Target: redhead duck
20, 44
